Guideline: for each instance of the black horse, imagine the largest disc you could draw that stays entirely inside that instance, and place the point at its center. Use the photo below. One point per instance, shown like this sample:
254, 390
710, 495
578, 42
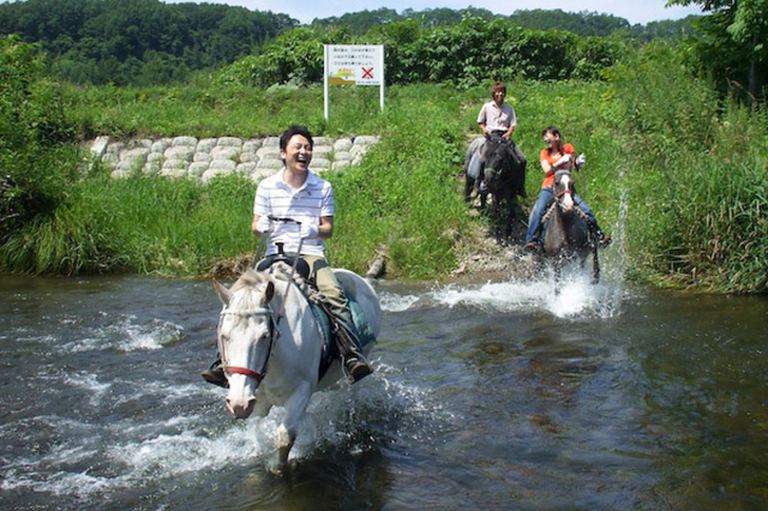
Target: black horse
502, 171
567, 236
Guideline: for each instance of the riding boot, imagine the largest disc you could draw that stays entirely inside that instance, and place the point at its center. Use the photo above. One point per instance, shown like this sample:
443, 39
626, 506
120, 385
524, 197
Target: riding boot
215, 374
356, 367
602, 239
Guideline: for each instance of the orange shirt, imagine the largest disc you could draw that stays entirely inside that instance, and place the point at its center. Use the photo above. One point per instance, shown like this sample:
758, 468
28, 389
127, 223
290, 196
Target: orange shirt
552, 157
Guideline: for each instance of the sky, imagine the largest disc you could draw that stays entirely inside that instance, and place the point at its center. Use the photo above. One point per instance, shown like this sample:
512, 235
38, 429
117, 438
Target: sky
634, 11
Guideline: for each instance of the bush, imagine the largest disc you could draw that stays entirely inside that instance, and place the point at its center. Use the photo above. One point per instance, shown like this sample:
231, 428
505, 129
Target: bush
697, 173
33, 127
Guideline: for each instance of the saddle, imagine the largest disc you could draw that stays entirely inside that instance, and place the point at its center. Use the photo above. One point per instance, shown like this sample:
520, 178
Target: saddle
283, 265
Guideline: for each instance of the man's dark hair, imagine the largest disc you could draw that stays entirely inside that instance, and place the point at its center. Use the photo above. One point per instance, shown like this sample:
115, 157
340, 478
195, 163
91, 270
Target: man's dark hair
295, 130
551, 129
498, 86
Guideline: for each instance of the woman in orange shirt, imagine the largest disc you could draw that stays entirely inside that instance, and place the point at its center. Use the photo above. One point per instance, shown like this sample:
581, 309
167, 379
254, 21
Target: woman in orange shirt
557, 155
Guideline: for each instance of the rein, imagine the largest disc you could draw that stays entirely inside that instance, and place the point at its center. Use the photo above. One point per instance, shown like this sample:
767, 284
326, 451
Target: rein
247, 371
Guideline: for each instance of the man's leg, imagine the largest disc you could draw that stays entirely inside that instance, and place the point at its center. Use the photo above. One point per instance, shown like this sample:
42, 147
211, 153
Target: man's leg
215, 374
539, 208
347, 336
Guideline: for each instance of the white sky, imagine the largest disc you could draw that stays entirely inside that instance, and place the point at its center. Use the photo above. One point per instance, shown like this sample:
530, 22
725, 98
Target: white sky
634, 11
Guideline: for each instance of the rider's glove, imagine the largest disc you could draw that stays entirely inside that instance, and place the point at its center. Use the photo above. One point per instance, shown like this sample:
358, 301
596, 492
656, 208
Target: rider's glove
263, 225
581, 160
309, 231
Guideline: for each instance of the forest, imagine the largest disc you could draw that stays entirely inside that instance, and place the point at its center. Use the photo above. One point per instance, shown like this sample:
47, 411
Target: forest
148, 42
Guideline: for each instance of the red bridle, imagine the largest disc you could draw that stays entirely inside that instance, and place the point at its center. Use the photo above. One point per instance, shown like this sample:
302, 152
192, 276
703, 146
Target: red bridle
244, 370
247, 371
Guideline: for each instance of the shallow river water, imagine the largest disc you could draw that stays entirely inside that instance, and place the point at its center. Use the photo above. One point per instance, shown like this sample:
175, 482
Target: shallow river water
497, 395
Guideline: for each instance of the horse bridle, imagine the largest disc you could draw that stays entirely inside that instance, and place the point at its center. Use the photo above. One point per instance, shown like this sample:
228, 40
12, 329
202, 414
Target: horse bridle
566, 190
273, 334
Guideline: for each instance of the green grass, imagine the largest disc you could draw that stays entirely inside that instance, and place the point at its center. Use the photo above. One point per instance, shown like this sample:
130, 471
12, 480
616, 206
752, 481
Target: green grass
694, 168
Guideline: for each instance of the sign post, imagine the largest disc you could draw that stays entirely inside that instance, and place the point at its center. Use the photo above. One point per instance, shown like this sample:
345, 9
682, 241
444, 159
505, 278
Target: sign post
351, 64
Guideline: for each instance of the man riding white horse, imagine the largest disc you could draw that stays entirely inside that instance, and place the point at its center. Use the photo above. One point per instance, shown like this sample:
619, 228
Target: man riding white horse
296, 193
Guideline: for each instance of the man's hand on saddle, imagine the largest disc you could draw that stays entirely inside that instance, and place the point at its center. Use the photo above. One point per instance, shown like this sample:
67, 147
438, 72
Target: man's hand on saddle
580, 161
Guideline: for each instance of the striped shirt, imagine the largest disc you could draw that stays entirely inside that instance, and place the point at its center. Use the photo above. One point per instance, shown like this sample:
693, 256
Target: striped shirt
307, 204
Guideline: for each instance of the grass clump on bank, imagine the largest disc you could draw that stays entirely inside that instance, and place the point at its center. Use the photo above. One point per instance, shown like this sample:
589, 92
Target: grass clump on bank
172, 227
403, 196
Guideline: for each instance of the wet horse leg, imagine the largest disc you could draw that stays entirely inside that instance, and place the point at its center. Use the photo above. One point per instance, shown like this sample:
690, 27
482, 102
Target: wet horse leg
286, 432
595, 264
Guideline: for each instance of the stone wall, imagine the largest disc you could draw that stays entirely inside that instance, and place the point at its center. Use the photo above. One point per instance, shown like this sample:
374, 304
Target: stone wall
206, 158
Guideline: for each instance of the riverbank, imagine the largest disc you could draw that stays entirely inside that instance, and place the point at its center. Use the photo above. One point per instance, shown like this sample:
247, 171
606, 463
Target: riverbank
689, 191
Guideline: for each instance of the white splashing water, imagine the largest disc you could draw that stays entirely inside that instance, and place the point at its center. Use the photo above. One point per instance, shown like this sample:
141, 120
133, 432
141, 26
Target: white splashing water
574, 295
141, 450
392, 302
571, 296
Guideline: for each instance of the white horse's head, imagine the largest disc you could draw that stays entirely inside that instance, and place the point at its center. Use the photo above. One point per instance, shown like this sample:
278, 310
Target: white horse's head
246, 333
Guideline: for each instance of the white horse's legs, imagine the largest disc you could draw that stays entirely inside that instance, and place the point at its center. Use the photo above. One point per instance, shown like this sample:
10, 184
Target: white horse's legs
286, 432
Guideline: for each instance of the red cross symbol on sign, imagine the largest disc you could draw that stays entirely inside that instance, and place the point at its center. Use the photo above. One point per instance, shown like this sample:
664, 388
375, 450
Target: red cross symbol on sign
368, 73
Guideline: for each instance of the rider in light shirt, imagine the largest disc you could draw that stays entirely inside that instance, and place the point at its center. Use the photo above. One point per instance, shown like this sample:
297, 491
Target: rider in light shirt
298, 194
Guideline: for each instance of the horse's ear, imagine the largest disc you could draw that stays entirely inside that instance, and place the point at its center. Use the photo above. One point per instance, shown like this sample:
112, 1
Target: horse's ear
225, 295
268, 293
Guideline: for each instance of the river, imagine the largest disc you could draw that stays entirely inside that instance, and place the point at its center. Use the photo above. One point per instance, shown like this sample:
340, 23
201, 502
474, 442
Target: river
486, 395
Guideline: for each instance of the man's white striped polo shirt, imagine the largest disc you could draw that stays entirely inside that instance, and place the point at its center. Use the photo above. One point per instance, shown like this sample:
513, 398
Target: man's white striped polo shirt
307, 204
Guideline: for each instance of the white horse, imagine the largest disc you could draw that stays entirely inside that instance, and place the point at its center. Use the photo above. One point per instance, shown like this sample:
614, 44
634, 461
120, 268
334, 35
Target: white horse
270, 345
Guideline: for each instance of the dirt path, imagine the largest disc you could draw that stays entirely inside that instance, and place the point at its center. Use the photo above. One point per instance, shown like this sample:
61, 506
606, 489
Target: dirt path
480, 255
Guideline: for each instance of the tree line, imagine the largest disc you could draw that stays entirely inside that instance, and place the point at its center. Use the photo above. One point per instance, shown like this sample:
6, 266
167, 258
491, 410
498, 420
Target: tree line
145, 42
138, 41
467, 53
584, 23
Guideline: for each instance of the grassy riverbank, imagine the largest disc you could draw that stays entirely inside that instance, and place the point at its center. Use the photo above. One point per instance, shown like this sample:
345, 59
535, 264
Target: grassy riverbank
692, 170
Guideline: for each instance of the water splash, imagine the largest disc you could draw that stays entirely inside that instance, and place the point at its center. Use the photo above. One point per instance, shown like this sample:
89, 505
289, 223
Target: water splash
573, 296
393, 302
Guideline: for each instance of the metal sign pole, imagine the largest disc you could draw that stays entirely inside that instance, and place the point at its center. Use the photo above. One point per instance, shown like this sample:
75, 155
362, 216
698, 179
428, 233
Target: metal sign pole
325, 80
381, 87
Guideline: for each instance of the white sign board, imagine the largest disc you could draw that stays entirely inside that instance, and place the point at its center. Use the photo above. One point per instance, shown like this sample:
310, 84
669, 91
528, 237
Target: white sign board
353, 64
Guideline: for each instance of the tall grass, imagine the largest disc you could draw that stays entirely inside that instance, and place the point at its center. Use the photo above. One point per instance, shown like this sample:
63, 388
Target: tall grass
144, 225
405, 196
695, 168
698, 174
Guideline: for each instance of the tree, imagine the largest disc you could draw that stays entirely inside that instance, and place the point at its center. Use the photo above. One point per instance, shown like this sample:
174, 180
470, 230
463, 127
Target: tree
739, 25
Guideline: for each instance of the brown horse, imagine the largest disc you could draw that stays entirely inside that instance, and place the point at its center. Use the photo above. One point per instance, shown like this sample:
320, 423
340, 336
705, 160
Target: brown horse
567, 236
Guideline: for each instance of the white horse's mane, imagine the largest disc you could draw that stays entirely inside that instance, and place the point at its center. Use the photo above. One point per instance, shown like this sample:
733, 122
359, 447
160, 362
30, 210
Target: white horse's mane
253, 284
